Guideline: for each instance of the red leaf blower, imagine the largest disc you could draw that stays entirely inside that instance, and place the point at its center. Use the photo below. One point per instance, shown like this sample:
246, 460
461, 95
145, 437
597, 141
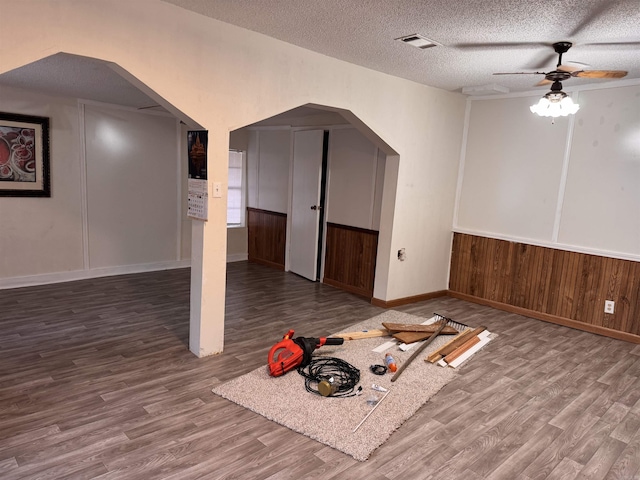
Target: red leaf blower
289, 354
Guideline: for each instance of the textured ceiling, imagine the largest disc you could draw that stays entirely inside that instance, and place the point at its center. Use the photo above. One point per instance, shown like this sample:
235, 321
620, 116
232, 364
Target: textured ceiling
476, 37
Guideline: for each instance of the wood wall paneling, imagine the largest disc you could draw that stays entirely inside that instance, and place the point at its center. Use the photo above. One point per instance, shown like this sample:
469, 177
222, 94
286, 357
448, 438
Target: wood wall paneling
562, 286
350, 258
267, 236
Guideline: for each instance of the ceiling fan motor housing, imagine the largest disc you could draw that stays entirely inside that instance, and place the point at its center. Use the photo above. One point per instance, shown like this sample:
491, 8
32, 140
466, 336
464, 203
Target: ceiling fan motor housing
557, 76
562, 47
556, 94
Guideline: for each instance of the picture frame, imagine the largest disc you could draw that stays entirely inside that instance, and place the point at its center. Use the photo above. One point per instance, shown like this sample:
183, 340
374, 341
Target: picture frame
24, 156
197, 141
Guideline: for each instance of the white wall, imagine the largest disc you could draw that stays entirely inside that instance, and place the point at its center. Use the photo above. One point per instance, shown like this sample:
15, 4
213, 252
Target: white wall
132, 187
114, 201
352, 179
512, 169
271, 169
601, 208
354, 183
224, 78
570, 185
41, 236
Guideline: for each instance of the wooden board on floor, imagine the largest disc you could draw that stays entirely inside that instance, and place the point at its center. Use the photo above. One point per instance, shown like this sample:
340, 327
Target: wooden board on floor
363, 334
405, 327
449, 347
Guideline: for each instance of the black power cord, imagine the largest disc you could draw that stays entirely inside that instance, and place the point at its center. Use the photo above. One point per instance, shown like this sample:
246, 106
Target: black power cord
378, 369
341, 376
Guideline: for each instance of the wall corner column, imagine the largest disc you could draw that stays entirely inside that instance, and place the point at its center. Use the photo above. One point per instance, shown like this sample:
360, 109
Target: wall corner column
209, 263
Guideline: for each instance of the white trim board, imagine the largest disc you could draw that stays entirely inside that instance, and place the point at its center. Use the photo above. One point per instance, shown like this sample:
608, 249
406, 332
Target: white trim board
60, 277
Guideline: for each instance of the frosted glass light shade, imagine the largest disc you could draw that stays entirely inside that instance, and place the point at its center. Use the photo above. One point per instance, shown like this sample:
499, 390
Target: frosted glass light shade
555, 104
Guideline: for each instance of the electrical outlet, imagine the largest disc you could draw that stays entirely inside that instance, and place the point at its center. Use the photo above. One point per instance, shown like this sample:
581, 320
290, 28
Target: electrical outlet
609, 306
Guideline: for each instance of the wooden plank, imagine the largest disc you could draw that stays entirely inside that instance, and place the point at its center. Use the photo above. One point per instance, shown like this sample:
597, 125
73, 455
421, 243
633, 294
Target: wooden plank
412, 337
411, 327
468, 353
449, 347
433, 357
363, 334
461, 349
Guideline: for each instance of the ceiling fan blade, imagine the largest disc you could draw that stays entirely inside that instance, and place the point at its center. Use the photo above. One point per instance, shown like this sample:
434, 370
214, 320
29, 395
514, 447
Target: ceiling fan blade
543, 62
597, 13
599, 73
543, 82
579, 63
486, 46
617, 45
520, 73
568, 68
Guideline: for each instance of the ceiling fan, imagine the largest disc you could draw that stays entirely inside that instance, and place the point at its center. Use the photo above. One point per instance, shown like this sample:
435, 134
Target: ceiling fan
557, 103
564, 72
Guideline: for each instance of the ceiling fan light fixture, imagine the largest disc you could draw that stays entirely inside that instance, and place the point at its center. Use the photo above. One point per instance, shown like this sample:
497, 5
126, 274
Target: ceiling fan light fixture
555, 104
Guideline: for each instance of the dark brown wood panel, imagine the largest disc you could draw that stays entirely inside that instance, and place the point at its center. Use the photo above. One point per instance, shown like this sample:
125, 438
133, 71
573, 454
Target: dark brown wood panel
267, 237
556, 283
350, 258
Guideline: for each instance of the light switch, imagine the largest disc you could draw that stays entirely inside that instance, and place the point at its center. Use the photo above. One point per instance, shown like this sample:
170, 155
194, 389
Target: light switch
217, 189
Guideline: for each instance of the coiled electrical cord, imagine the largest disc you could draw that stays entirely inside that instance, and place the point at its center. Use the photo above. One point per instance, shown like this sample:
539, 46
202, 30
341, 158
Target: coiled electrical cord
341, 375
378, 369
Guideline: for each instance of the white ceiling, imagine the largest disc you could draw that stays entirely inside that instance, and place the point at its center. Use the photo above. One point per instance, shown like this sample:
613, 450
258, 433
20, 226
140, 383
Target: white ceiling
477, 37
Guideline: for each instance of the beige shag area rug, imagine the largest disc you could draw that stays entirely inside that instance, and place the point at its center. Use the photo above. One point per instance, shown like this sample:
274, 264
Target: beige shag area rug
332, 420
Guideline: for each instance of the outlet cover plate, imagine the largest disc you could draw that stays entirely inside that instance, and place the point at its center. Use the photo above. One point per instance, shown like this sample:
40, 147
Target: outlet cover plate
609, 306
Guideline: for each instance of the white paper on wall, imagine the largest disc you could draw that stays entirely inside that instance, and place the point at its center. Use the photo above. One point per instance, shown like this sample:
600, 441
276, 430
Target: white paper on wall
198, 199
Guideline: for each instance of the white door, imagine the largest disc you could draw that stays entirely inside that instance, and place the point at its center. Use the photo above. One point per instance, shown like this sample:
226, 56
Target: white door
305, 209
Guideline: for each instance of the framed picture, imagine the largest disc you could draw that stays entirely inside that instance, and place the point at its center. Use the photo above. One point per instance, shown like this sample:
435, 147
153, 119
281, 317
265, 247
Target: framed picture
197, 144
24, 156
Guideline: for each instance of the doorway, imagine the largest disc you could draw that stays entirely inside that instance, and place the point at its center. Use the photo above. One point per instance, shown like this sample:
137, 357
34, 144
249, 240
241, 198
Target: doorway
310, 149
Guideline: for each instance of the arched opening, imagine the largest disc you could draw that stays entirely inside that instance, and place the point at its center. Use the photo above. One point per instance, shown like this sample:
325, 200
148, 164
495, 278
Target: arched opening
129, 210
320, 189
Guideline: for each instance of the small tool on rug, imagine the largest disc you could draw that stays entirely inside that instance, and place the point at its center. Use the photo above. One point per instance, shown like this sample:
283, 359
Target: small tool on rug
377, 404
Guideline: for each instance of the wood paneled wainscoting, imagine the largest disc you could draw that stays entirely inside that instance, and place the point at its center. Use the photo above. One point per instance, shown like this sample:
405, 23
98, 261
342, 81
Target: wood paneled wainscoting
350, 259
567, 288
267, 236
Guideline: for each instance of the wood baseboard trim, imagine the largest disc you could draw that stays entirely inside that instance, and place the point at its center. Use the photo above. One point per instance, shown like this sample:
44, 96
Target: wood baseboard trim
566, 322
266, 263
348, 288
407, 300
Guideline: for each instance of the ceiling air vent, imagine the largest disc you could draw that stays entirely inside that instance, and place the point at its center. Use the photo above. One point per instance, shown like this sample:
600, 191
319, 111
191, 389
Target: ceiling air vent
418, 41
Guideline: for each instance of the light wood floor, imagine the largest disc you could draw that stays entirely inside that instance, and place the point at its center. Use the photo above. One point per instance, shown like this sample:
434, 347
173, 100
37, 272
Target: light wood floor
96, 381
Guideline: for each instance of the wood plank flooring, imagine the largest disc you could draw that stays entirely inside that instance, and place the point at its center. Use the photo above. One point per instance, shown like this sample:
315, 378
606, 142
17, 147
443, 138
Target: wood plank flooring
96, 381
